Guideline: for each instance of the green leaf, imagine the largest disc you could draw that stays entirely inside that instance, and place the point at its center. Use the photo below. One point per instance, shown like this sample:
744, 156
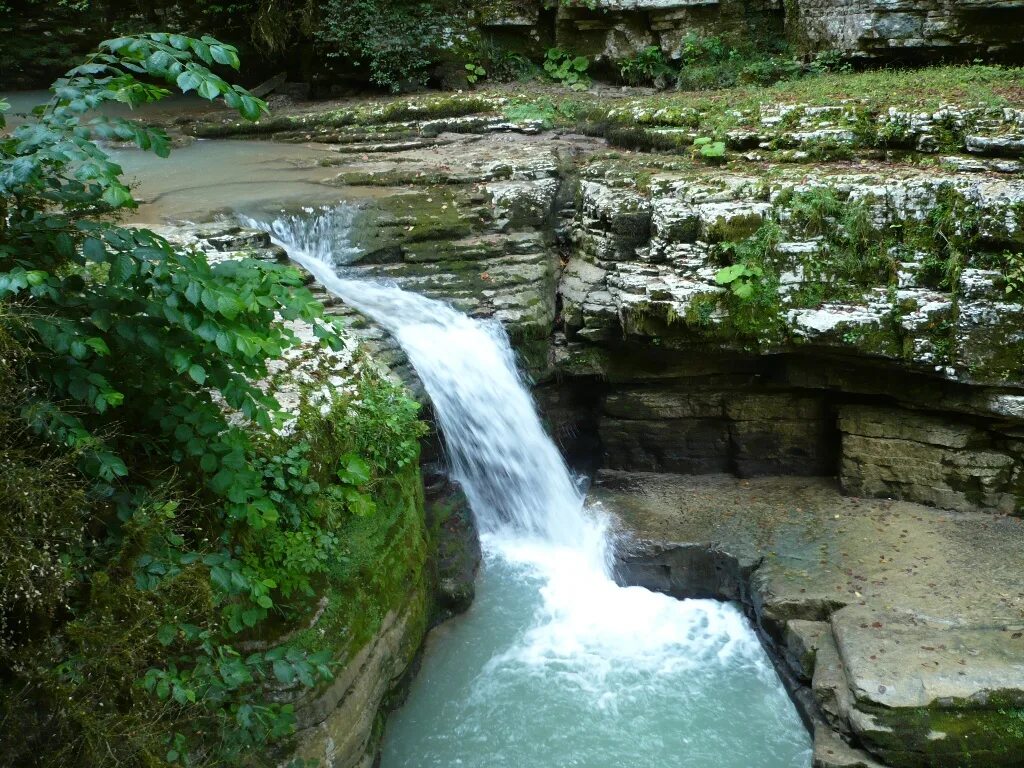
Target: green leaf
117, 196
208, 89
251, 108
730, 273
197, 373
202, 50
353, 469
221, 578
284, 672
360, 504
167, 634
121, 268
743, 290
229, 305
223, 55
188, 81
98, 345
93, 249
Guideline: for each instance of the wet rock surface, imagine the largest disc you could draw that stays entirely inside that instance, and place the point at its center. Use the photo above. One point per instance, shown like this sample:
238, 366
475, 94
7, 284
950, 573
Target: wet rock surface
902, 625
879, 283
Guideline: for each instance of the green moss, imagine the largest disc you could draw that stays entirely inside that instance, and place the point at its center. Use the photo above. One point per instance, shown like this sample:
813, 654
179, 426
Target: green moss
649, 139
383, 569
372, 113
976, 736
827, 149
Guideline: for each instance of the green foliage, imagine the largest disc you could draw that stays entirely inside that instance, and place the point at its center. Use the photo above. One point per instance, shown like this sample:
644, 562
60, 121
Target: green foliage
648, 66
543, 109
504, 65
160, 519
709, 150
854, 254
830, 61
708, 63
397, 42
947, 236
695, 49
752, 277
741, 279
1013, 275
474, 72
562, 67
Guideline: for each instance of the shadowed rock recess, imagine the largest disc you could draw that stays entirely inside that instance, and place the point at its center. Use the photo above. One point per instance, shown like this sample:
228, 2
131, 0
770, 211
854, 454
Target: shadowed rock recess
871, 349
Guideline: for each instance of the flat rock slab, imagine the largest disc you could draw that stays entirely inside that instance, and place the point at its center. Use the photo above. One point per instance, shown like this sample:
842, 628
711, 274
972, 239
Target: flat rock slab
925, 607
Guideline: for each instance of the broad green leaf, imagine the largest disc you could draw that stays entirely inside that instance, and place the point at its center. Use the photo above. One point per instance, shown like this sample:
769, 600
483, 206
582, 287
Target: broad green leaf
188, 81
117, 196
167, 634
93, 249
208, 89
743, 290
284, 672
354, 470
121, 268
730, 273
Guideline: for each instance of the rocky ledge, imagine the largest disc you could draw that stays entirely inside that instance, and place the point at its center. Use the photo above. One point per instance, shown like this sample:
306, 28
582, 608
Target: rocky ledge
839, 292
899, 628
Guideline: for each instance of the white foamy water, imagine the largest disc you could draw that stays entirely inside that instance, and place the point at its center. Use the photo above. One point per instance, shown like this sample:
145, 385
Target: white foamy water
555, 664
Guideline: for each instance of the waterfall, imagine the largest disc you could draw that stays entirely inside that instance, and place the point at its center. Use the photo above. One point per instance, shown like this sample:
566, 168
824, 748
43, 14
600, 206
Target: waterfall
556, 640
517, 482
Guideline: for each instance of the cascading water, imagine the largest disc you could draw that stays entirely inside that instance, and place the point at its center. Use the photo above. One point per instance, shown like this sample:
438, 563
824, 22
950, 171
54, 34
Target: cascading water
555, 664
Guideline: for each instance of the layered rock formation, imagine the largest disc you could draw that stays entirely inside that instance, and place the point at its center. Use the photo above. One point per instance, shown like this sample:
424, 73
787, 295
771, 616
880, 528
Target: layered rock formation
867, 29
873, 28
882, 299
771, 384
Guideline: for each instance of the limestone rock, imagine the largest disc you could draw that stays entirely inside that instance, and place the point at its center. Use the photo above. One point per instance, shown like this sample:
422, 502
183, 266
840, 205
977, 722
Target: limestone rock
879, 28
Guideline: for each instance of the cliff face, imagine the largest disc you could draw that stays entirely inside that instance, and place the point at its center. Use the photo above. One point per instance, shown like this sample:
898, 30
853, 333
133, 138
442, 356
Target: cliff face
911, 381
859, 29
840, 297
884, 28
48, 41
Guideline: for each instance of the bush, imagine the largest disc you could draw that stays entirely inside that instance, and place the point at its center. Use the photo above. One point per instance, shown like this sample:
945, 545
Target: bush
709, 63
397, 42
648, 66
162, 527
569, 70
